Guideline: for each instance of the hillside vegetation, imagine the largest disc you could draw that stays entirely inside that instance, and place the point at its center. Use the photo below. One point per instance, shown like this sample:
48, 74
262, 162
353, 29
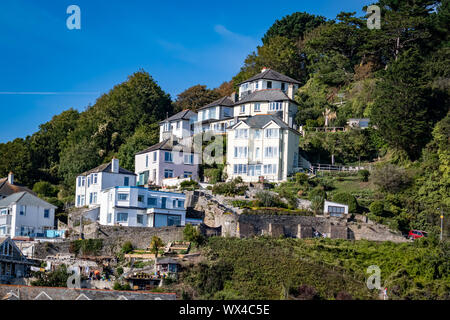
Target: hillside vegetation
268, 268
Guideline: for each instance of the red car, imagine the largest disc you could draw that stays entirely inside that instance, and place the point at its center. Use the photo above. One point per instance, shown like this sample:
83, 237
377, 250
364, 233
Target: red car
416, 234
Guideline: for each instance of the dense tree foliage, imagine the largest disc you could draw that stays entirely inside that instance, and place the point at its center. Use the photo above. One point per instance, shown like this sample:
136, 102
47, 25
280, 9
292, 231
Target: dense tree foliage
195, 97
293, 26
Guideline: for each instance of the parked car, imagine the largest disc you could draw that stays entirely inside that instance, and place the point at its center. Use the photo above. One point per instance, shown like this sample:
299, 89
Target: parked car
416, 234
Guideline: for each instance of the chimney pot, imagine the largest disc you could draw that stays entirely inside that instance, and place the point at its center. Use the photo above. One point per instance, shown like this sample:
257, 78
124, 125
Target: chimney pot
115, 165
11, 178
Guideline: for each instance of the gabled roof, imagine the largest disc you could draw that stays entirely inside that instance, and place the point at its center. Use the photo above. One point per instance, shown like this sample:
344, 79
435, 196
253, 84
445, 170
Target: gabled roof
183, 115
270, 74
265, 95
106, 167
167, 144
260, 121
7, 188
225, 101
29, 198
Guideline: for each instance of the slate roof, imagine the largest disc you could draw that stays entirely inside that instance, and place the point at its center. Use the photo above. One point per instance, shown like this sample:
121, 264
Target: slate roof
7, 188
167, 261
106, 167
58, 293
259, 121
167, 144
30, 198
265, 95
270, 74
225, 101
183, 115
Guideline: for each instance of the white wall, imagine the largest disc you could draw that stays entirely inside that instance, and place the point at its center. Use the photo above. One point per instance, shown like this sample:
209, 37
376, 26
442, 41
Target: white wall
104, 180
289, 110
110, 204
34, 217
286, 144
261, 84
178, 166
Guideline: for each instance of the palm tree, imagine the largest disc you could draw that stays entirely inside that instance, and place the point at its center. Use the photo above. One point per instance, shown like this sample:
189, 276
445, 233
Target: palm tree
155, 244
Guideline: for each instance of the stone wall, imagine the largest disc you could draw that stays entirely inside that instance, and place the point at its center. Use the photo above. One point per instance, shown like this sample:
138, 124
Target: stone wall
114, 236
113, 239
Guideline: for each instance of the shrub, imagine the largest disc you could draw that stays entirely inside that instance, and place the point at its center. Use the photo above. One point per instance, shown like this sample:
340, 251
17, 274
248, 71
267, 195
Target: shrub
364, 175
301, 178
377, 208
119, 271
230, 189
390, 178
342, 295
45, 189
268, 199
213, 175
86, 247
127, 247
192, 234
306, 292
121, 287
348, 199
57, 278
188, 184
242, 203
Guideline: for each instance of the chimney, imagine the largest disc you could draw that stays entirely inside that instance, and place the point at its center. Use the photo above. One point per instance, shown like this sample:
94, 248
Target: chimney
11, 178
290, 91
115, 165
264, 69
233, 97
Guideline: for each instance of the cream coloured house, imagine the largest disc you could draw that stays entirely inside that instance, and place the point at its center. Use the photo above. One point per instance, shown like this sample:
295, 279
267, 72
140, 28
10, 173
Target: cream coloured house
262, 146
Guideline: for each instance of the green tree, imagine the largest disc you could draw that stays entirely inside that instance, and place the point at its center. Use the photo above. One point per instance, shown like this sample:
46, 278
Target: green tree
193, 234
348, 199
155, 245
195, 97
404, 96
144, 137
293, 26
45, 189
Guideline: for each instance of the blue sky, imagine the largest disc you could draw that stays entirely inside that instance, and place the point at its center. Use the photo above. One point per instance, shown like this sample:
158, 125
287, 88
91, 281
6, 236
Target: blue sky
46, 68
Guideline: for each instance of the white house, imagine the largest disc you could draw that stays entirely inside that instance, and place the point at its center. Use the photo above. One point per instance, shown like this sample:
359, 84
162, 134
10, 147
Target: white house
335, 209
262, 146
268, 79
268, 92
179, 125
166, 159
24, 214
141, 207
90, 183
215, 116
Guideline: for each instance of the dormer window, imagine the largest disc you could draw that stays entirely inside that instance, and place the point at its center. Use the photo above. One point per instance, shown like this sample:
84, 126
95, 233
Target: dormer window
166, 126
